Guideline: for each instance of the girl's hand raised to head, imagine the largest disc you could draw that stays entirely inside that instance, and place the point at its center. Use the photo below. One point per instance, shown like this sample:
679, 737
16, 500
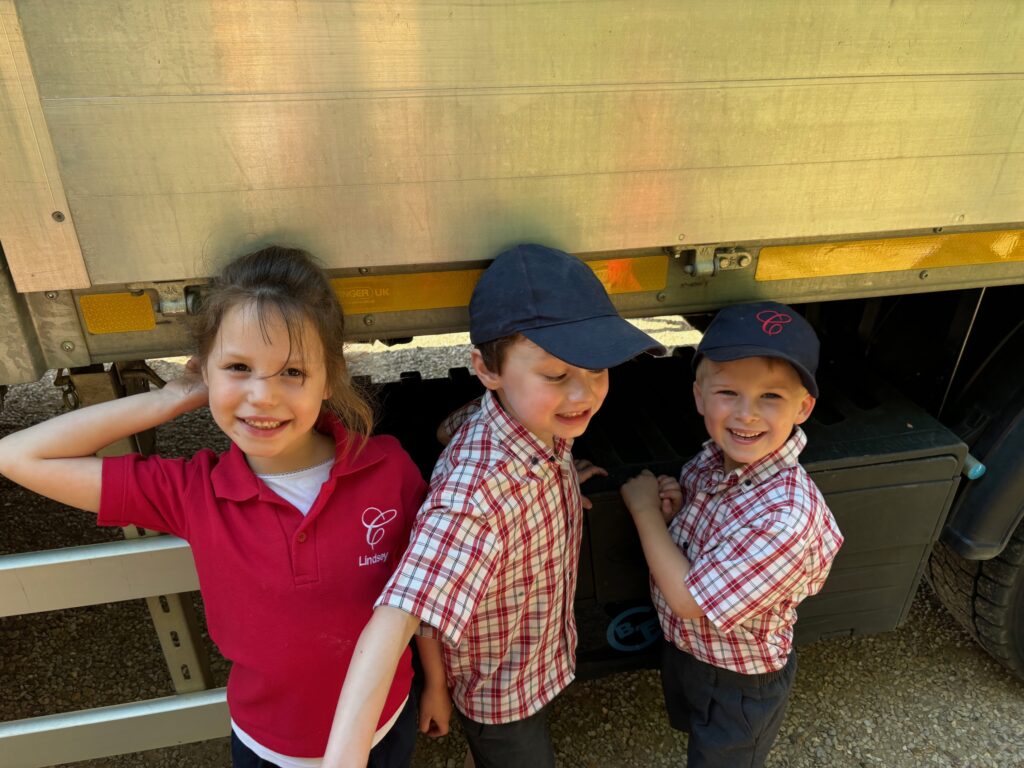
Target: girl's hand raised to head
56, 457
189, 389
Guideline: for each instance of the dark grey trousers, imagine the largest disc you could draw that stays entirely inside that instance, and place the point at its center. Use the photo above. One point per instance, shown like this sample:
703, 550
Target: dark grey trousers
393, 751
522, 744
732, 719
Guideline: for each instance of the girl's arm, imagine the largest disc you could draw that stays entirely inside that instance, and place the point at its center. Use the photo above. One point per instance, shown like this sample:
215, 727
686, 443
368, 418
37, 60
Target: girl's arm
435, 703
55, 458
380, 646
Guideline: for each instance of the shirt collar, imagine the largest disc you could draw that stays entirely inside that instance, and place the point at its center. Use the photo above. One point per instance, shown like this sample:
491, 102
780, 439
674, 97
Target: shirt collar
712, 463
520, 441
234, 480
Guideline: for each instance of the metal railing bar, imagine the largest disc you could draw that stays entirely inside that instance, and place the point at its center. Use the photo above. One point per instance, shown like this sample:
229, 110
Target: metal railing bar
118, 729
96, 573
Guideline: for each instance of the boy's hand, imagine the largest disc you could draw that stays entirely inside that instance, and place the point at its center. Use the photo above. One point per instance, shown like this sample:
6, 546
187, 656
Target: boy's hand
671, 494
642, 495
586, 470
189, 390
435, 711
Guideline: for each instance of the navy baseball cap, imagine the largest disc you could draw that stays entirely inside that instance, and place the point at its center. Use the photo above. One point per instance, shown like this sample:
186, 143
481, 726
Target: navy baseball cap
558, 303
762, 329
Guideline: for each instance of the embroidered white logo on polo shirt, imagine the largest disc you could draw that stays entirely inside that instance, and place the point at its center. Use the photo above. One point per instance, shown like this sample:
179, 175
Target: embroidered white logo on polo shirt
374, 521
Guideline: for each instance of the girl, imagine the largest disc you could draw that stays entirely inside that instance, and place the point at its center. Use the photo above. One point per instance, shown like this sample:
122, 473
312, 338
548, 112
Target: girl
294, 530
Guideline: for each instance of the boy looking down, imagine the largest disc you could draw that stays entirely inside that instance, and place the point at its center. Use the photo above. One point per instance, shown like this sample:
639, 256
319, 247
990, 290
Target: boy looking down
492, 565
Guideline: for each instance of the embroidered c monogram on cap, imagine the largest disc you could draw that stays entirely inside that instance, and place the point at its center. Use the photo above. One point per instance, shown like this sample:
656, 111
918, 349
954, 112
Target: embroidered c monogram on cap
773, 322
762, 328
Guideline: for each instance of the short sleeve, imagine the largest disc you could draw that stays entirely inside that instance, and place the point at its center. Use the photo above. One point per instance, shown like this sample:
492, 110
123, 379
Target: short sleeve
447, 568
754, 569
145, 491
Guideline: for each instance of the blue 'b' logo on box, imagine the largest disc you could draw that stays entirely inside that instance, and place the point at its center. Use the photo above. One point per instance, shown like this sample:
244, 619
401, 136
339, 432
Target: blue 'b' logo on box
634, 629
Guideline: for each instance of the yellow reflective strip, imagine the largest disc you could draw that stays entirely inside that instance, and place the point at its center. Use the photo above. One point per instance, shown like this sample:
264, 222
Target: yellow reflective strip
398, 293
440, 290
859, 257
633, 274
117, 312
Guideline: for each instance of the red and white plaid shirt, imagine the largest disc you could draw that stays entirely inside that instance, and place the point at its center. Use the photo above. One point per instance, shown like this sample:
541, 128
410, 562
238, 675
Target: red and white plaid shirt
492, 566
759, 540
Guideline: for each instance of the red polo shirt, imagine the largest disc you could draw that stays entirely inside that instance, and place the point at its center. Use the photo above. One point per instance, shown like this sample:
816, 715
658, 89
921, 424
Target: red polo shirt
286, 595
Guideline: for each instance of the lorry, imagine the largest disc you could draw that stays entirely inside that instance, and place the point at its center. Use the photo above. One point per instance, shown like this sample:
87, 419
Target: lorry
861, 160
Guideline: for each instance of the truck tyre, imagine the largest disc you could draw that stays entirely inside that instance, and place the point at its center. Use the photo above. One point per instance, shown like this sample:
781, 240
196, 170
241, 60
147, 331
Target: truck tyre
986, 597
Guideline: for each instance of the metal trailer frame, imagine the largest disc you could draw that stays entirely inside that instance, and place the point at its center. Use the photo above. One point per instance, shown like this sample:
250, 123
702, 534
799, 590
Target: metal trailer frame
748, 150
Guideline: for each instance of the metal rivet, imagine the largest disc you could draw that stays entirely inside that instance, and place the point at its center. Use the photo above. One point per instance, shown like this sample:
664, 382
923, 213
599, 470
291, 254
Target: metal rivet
369, 320
682, 236
744, 260
923, 274
364, 270
67, 346
936, 230
58, 216
51, 295
723, 263
661, 297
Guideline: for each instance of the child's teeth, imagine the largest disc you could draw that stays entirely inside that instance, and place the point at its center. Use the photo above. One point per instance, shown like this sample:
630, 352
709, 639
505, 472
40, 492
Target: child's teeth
263, 424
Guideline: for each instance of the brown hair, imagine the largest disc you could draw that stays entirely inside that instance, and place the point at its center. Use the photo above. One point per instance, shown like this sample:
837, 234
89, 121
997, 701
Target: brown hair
494, 352
288, 282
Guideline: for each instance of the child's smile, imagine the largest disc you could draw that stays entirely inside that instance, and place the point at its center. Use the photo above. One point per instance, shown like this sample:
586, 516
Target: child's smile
546, 395
750, 406
262, 425
266, 392
746, 436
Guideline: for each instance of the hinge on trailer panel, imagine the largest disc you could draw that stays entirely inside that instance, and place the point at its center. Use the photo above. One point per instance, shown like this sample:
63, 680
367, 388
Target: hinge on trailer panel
702, 262
172, 298
731, 258
707, 260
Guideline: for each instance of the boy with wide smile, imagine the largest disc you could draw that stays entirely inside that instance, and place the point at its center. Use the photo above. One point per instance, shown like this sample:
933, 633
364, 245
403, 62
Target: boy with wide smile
740, 539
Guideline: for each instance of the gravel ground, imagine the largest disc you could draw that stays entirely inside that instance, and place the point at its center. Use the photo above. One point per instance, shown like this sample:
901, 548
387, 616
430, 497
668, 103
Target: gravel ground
923, 695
